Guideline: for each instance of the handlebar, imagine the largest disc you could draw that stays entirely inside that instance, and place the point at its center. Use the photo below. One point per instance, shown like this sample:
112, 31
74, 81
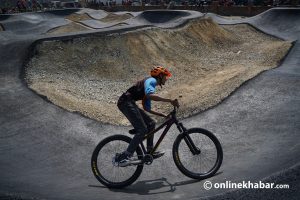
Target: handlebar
173, 112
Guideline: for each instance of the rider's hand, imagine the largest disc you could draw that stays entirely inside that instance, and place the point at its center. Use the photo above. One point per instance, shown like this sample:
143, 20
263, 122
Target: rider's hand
175, 103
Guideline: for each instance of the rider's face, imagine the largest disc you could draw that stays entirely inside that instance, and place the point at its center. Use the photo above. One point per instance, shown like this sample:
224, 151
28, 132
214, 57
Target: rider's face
163, 79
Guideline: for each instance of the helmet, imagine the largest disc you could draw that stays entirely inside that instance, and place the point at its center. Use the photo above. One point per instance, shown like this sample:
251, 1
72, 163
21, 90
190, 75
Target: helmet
156, 71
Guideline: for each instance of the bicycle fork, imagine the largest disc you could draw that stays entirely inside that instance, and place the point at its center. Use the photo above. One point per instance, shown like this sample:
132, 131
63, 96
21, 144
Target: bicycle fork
188, 140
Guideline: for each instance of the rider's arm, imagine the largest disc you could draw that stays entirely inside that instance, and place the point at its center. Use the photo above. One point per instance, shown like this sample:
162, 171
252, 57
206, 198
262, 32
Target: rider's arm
147, 107
156, 113
158, 98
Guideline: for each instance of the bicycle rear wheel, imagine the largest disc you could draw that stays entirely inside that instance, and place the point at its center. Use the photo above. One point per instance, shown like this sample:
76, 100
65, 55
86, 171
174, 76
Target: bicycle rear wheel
102, 162
203, 164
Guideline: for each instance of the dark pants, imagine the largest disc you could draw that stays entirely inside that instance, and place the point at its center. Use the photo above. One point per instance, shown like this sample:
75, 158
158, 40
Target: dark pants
141, 122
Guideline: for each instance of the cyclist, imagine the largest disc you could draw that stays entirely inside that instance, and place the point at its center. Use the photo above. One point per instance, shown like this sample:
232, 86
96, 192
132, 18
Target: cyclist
143, 90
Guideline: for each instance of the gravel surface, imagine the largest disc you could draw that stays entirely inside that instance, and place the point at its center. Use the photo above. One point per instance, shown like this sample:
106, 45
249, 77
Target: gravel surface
208, 62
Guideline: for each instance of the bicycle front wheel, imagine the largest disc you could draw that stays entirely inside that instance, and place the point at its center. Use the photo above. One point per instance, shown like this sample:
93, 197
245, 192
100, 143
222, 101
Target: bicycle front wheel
103, 167
201, 164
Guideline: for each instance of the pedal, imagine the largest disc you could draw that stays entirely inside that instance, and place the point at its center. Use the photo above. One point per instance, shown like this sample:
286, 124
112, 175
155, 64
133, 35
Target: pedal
148, 159
158, 154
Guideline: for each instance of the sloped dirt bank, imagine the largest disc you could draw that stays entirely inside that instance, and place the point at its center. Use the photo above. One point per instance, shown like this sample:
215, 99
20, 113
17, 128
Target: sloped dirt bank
208, 62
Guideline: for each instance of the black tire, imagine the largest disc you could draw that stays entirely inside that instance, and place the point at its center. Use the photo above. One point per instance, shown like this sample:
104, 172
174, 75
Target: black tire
184, 159
103, 168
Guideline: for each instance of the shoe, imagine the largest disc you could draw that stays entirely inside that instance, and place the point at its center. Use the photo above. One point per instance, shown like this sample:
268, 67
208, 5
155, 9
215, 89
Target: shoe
124, 160
121, 160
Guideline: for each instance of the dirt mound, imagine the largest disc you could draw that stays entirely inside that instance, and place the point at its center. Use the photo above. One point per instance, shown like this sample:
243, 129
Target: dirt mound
208, 62
110, 17
116, 18
69, 28
76, 26
78, 17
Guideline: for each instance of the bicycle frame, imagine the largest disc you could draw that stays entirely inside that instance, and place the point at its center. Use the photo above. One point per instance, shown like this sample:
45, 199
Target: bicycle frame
168, 124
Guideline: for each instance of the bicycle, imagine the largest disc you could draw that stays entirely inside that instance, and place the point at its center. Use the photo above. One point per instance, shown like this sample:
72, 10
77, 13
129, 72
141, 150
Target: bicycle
188, 141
